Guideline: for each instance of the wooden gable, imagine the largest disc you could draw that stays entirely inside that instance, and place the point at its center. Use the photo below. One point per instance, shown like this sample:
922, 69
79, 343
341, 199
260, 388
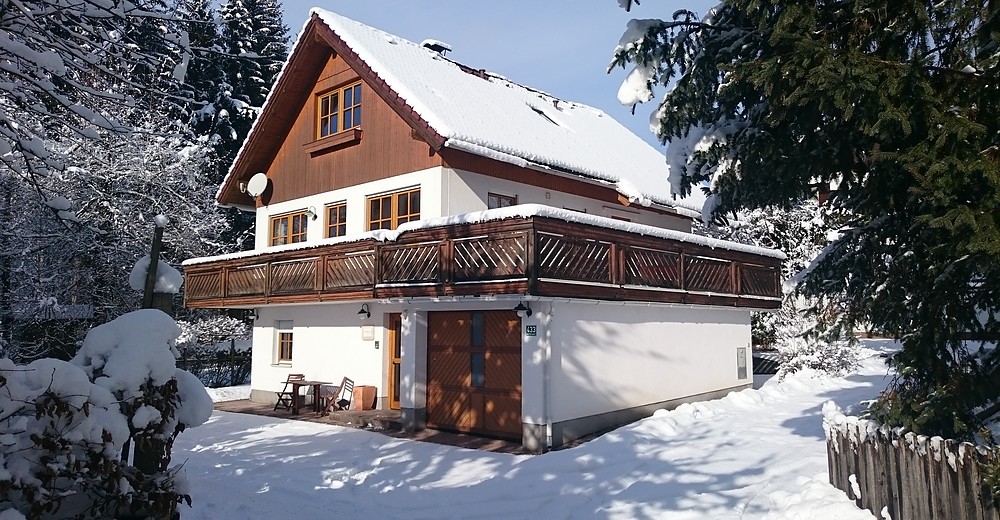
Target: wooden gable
392, 139
384, 147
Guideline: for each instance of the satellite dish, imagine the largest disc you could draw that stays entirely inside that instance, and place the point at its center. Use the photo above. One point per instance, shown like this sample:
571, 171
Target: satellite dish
257, 185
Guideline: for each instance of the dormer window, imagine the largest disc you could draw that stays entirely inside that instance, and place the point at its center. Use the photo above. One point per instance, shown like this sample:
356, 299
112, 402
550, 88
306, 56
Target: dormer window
339, 110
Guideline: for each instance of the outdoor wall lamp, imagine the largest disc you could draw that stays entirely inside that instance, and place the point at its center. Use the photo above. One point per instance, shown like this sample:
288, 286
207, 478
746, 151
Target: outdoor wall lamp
522, 310
311, 213
364, 313
253, 314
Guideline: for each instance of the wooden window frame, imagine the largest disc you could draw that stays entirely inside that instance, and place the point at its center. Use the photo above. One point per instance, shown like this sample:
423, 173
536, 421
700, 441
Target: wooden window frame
394, 218
289, 237
336, 227
511, 200
339, 111
284, 342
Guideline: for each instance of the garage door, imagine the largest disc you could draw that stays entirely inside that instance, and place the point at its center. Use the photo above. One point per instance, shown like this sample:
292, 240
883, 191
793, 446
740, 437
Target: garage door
474, 372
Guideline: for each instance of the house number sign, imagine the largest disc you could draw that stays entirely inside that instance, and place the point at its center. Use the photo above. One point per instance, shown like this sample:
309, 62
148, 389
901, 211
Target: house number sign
531, 330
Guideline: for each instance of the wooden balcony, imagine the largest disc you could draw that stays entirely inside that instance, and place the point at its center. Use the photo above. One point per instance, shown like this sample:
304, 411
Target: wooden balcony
536, 255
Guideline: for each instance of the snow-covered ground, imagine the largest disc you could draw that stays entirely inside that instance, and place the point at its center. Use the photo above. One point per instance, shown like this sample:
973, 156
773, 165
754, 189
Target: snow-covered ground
756, 454
229, 393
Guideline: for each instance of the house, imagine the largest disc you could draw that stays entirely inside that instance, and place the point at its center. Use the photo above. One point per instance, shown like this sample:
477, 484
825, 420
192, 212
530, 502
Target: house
491, 258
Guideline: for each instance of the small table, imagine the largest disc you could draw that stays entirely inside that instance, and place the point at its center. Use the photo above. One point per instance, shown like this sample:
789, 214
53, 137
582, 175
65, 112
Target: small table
295, 393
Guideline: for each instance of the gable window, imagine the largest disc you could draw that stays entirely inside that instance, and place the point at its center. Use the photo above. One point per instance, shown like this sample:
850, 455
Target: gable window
390, 210
289, 228
336, 220
283, 352
339, 110
495, 200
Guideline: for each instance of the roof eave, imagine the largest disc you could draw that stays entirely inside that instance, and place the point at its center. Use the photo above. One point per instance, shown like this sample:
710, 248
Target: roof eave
255, 155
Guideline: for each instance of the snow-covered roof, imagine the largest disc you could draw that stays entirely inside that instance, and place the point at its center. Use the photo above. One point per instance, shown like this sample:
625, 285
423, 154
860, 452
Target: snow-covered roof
488, 115
518, 211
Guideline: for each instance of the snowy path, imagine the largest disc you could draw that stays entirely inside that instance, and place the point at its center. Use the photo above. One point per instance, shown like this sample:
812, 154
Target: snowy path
755, 454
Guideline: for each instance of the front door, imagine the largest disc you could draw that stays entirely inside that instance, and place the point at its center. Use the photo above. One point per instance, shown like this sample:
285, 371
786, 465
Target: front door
395, 350
474, 372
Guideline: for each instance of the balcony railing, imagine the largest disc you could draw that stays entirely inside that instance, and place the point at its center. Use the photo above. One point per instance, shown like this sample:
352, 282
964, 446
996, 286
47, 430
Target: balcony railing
532, 255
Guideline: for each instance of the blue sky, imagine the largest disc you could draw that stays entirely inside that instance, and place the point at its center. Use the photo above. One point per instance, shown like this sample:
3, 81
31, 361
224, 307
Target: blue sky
560, 46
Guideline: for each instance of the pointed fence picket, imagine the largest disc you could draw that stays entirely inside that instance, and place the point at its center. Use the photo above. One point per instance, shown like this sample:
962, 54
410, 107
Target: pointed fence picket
909, 476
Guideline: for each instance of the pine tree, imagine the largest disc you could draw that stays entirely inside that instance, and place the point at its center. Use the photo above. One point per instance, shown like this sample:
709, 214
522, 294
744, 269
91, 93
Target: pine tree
205, 73
256, 40
803, 331
896, 105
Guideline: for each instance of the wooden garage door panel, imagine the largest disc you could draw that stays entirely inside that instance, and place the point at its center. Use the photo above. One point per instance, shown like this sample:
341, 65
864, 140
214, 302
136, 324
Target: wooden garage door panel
447, 329
503, 415
452, 401
453, 409
503, 370
449, 368
503, 330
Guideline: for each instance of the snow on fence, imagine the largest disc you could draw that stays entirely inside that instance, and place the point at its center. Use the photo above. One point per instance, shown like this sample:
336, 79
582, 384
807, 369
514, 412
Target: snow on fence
904, 476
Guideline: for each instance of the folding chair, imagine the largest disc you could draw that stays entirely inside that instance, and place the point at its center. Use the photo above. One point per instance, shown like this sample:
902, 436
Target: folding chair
340, 398
286, 396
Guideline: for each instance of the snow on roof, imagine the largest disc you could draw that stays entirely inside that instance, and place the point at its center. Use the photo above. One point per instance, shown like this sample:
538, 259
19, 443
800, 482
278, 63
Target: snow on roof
519, 211
436, 45
488, 115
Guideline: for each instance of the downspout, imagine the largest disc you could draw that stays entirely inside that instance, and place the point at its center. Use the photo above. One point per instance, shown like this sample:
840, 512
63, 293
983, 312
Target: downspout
546, 376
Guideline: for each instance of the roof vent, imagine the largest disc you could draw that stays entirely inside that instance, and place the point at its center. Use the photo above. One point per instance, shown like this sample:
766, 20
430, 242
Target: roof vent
437, 46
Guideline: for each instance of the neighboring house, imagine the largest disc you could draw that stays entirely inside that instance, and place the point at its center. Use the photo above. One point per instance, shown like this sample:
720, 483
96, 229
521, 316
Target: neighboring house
431, 200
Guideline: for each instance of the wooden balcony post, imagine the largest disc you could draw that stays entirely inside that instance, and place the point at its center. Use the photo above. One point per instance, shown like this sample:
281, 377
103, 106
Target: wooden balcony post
446, 261
224, 282
379, 267
531, 257
734, 277
682, 280
616, 257
267, 279
319, 280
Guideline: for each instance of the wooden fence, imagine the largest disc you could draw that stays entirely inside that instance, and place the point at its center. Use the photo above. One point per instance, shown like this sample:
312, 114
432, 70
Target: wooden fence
217, 368
908, 476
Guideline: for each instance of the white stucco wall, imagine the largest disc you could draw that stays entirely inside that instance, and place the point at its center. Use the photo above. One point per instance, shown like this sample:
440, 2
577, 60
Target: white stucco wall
606, 357
429, 182
327, 346
444, 191
464, 192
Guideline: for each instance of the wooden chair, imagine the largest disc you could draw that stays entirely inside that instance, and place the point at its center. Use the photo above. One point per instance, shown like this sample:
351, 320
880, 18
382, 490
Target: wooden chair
340, 398
285, 396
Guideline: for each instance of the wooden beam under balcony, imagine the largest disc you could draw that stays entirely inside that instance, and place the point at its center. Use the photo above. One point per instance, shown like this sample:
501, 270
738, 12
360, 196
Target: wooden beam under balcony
536, 255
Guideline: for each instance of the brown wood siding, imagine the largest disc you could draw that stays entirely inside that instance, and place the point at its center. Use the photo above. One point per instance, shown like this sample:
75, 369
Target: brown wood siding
460, 160
386, 148
453, 402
